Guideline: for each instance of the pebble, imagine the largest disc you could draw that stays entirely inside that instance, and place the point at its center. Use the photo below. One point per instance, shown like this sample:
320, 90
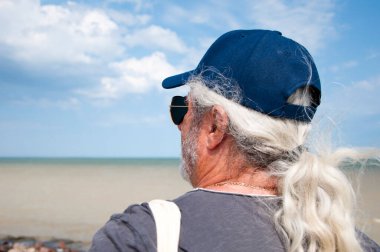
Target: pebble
30, 244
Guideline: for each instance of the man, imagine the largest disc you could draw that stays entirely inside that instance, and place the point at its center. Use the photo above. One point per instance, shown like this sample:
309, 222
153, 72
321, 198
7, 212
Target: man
243, 128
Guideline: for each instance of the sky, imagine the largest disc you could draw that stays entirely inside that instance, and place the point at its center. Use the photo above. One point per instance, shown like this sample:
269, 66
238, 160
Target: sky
83, 78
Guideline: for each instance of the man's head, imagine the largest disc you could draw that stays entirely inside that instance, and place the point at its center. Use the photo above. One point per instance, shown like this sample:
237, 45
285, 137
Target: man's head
251, 99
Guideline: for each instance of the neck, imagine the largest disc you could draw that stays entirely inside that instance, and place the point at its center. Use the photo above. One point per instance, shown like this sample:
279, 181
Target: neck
229, 173
243, 188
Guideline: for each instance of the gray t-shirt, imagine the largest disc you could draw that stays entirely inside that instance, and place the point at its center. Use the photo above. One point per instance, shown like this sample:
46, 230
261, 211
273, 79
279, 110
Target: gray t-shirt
210, 221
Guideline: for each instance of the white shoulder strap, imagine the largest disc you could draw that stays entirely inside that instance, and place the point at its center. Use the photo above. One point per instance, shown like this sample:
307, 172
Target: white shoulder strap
168, 223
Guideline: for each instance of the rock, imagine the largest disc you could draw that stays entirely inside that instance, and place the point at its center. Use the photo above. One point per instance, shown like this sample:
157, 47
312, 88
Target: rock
29, 244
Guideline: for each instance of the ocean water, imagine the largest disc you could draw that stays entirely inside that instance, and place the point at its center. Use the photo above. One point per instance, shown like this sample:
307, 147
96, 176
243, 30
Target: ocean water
135, 162
139, 162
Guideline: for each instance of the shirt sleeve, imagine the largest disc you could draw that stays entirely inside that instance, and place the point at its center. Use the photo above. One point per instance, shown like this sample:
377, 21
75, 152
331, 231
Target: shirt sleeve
133, 230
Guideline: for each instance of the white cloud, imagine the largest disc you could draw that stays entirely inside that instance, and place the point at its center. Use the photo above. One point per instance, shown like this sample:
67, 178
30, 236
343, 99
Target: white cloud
109, 40
133, 76
359, 98
128, 19
62, 34
95, 23
343, 66
201, 15
368, 85
46, 103
373, 55
139, 5
72, 37
308, 22
220, 17
156, 37
73, 33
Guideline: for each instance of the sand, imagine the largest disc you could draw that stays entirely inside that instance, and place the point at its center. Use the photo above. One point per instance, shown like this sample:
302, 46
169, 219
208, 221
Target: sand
70, 201
73, 202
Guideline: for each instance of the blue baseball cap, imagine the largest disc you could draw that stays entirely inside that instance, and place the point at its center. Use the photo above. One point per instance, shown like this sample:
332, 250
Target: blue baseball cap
266, 66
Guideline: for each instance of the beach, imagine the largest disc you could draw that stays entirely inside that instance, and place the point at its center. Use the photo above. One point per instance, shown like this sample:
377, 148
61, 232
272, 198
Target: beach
74, 199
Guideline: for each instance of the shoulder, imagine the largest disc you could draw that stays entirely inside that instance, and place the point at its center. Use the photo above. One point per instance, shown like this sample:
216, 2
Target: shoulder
207, 198
367, 243
132, 230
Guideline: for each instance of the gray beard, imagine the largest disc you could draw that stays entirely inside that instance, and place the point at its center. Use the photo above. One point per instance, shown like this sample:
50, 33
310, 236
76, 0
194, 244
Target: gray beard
189, 154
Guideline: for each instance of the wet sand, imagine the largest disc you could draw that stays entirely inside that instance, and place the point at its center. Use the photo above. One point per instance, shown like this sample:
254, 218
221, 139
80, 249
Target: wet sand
69, 201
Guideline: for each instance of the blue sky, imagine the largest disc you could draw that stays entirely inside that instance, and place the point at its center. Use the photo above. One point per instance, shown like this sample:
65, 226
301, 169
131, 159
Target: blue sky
83, 78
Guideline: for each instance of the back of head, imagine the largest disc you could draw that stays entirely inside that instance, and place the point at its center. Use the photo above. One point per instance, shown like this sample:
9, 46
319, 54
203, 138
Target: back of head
270, 89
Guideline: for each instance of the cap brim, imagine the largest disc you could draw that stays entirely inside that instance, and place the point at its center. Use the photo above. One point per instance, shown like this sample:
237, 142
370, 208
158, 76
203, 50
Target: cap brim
177, 80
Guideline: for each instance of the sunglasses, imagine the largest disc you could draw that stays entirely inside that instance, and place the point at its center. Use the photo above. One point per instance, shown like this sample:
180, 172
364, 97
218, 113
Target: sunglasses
178, 109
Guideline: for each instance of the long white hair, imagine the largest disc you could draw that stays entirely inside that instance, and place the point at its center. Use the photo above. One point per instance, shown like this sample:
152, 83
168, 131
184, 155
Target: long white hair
317, 199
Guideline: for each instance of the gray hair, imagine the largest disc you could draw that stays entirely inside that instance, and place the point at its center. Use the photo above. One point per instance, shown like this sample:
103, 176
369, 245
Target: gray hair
319, 218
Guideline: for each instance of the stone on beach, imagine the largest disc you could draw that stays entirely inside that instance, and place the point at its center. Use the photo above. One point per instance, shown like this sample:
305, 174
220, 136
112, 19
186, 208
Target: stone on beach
28, 244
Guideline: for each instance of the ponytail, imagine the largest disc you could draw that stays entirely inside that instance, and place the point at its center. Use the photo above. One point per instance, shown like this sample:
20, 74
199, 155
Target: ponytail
317, 205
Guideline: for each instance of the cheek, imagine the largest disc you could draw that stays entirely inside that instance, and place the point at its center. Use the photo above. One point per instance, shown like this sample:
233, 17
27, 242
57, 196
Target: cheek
201, 141
185, 126
182, 138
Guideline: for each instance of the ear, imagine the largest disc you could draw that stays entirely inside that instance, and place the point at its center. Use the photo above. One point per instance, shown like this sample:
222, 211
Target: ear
217, 127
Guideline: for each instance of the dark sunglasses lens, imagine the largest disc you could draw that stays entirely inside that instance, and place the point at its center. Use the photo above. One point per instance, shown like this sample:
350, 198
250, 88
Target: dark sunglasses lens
178, 114
178, 109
